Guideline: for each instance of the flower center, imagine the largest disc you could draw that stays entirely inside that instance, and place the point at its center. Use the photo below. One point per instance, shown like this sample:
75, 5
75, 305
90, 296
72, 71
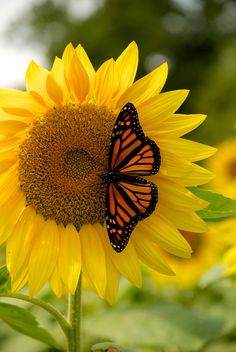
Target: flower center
61, 162
77, 162
231, 168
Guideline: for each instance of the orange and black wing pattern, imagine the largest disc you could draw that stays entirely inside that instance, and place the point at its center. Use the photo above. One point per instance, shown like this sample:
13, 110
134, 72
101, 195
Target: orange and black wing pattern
129, 198
131, 152
128, 201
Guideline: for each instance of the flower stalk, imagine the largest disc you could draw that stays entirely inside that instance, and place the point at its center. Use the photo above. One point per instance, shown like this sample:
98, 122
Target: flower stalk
44, 305
70, 327
74, 312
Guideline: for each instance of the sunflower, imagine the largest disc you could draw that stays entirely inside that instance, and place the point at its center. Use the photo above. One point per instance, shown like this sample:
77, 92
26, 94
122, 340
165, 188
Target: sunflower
225, 232
223, 164
54, 147
206, 253
229, 259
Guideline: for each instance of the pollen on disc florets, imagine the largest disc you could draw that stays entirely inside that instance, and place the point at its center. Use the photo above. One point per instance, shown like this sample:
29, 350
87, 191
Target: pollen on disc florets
61, 162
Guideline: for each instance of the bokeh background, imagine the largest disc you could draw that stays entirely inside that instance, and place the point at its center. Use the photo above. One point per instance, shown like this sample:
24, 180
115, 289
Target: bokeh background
197, 310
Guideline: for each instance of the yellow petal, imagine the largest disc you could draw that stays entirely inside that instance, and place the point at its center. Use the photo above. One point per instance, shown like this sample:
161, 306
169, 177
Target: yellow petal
174, 166
21, 104
112, 274
144, 88
173, 194
9, 153
10, 212
20, 242
35, 81
4, 115
8, 183
127, 64
68, 54
176, 125
93, 258
54, 90
66, 58
197, 176
56, 282
183, 172
106, 83
183, 220
149, 253
11, 127
18, 281
58, 74
18, 112
189, 150
165, 235
37, 97
126, 262
69, 260
159, 107
113, 279
44, 256
7, 163
78, 79
84, 59
9, 143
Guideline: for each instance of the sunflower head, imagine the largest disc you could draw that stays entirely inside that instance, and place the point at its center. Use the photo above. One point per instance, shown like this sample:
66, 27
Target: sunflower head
228, 242
60, 162
55, 145
223, 164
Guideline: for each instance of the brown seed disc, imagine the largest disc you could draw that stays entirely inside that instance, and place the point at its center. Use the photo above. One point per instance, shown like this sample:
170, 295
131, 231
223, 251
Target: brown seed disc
61, 162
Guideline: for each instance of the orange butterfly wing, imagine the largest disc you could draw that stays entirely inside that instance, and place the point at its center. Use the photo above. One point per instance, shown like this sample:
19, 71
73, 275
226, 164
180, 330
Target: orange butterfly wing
128, 202
131, 151
129, 197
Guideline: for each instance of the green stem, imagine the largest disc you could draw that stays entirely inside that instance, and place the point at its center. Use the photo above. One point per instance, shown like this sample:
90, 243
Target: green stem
74, 341
49, 308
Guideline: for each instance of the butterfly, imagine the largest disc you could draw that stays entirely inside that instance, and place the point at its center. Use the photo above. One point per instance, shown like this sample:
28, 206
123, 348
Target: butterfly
129, 197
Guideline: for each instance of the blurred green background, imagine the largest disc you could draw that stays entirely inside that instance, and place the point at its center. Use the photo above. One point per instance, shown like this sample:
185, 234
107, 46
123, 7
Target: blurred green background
196, 37
198, 40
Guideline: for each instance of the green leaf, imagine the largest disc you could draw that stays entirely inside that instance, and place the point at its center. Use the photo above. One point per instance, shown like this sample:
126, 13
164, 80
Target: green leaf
4, 279
153, 326
24, 322
219, 208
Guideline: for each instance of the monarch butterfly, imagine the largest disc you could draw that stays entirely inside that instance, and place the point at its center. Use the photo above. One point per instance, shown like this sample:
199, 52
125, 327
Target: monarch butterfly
129, 197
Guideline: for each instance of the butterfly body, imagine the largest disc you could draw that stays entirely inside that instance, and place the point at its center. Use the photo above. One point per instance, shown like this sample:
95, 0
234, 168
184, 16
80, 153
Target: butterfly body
112, 176
129, 197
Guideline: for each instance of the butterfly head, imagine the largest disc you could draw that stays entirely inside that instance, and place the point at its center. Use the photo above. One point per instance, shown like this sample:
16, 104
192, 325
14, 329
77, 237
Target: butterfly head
107, 177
